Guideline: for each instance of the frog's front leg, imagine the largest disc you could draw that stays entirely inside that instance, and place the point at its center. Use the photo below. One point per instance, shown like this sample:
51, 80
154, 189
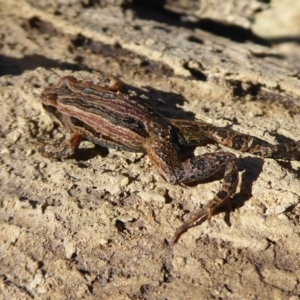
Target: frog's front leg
65, 149
168, 164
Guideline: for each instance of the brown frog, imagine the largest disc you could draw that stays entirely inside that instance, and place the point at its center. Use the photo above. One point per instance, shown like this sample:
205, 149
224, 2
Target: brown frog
98, 110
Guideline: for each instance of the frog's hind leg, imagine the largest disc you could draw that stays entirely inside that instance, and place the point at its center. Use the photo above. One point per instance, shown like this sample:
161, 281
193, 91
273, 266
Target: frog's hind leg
166, 160
217, 160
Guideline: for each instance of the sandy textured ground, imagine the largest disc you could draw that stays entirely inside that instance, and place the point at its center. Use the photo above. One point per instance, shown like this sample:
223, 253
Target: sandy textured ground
96, 226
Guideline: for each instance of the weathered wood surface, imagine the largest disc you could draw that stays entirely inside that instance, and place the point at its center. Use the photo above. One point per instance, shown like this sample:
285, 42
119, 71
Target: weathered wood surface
95, 227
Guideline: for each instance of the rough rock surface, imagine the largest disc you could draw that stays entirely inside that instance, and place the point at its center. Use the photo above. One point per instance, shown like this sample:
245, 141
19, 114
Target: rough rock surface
95, 227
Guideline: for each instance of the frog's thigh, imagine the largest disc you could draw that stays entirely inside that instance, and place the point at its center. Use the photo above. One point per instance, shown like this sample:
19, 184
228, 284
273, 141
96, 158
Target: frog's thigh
203, 166
166, 160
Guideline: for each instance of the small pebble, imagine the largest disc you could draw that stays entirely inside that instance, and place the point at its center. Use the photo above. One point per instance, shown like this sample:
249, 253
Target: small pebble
124, 181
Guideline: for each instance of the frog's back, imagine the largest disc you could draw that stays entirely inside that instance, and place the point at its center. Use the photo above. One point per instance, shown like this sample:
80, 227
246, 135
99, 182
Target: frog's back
105, 117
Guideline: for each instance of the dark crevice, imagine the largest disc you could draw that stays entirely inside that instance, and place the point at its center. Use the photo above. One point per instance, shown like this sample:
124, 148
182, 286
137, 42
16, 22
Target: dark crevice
232, 32
196, 73
90, 3
284, 39
42, 26
265, 54
16, 66
167, 276
120, 226
117, 52
195, 39
98, 3
168, 199
259, 92
155, 10
241, 89
23, 289
98, 47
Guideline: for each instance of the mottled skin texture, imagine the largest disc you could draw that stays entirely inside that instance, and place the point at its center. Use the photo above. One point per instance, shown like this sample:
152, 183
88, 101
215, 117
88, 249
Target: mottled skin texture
98, 110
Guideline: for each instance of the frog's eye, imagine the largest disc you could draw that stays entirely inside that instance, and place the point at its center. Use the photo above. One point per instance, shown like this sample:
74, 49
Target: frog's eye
48, 97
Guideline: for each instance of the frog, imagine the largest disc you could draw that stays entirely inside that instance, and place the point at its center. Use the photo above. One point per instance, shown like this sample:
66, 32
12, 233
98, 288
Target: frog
100, 109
